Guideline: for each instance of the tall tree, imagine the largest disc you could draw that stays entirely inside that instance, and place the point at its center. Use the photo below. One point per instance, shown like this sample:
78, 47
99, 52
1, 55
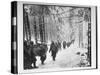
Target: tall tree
27, 26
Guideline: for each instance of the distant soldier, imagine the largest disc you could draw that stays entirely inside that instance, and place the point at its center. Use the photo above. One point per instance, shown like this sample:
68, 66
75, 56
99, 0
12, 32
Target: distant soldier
64, 44
59, 45
53, 50
69, 43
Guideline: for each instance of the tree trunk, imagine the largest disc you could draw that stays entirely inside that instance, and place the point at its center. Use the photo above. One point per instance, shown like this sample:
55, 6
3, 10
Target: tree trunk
27, 26
35, 30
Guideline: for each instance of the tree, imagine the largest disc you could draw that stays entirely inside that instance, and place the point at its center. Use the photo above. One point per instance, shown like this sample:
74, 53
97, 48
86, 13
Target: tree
42, 11
27, 26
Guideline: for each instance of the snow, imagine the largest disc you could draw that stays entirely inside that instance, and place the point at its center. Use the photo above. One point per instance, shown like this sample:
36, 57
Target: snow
65, 58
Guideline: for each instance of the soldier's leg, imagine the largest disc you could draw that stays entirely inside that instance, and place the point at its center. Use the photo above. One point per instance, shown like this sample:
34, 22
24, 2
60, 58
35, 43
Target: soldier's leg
43, 58
54, 56
34, 61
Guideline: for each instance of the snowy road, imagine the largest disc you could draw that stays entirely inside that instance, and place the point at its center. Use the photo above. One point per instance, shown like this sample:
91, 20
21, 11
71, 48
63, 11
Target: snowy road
65, 58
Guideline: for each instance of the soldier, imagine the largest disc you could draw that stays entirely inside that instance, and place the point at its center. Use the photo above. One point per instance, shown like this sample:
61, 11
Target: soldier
27, 56
38, 50
53, 50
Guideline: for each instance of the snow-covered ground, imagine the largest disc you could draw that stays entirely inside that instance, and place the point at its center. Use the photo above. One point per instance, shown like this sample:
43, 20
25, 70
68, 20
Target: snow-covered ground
65, 58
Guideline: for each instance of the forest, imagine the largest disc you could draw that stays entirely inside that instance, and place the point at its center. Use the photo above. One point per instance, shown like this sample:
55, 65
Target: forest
47, 23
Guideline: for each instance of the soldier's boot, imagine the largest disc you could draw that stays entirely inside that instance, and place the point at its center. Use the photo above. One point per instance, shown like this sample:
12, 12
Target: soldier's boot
34, 63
